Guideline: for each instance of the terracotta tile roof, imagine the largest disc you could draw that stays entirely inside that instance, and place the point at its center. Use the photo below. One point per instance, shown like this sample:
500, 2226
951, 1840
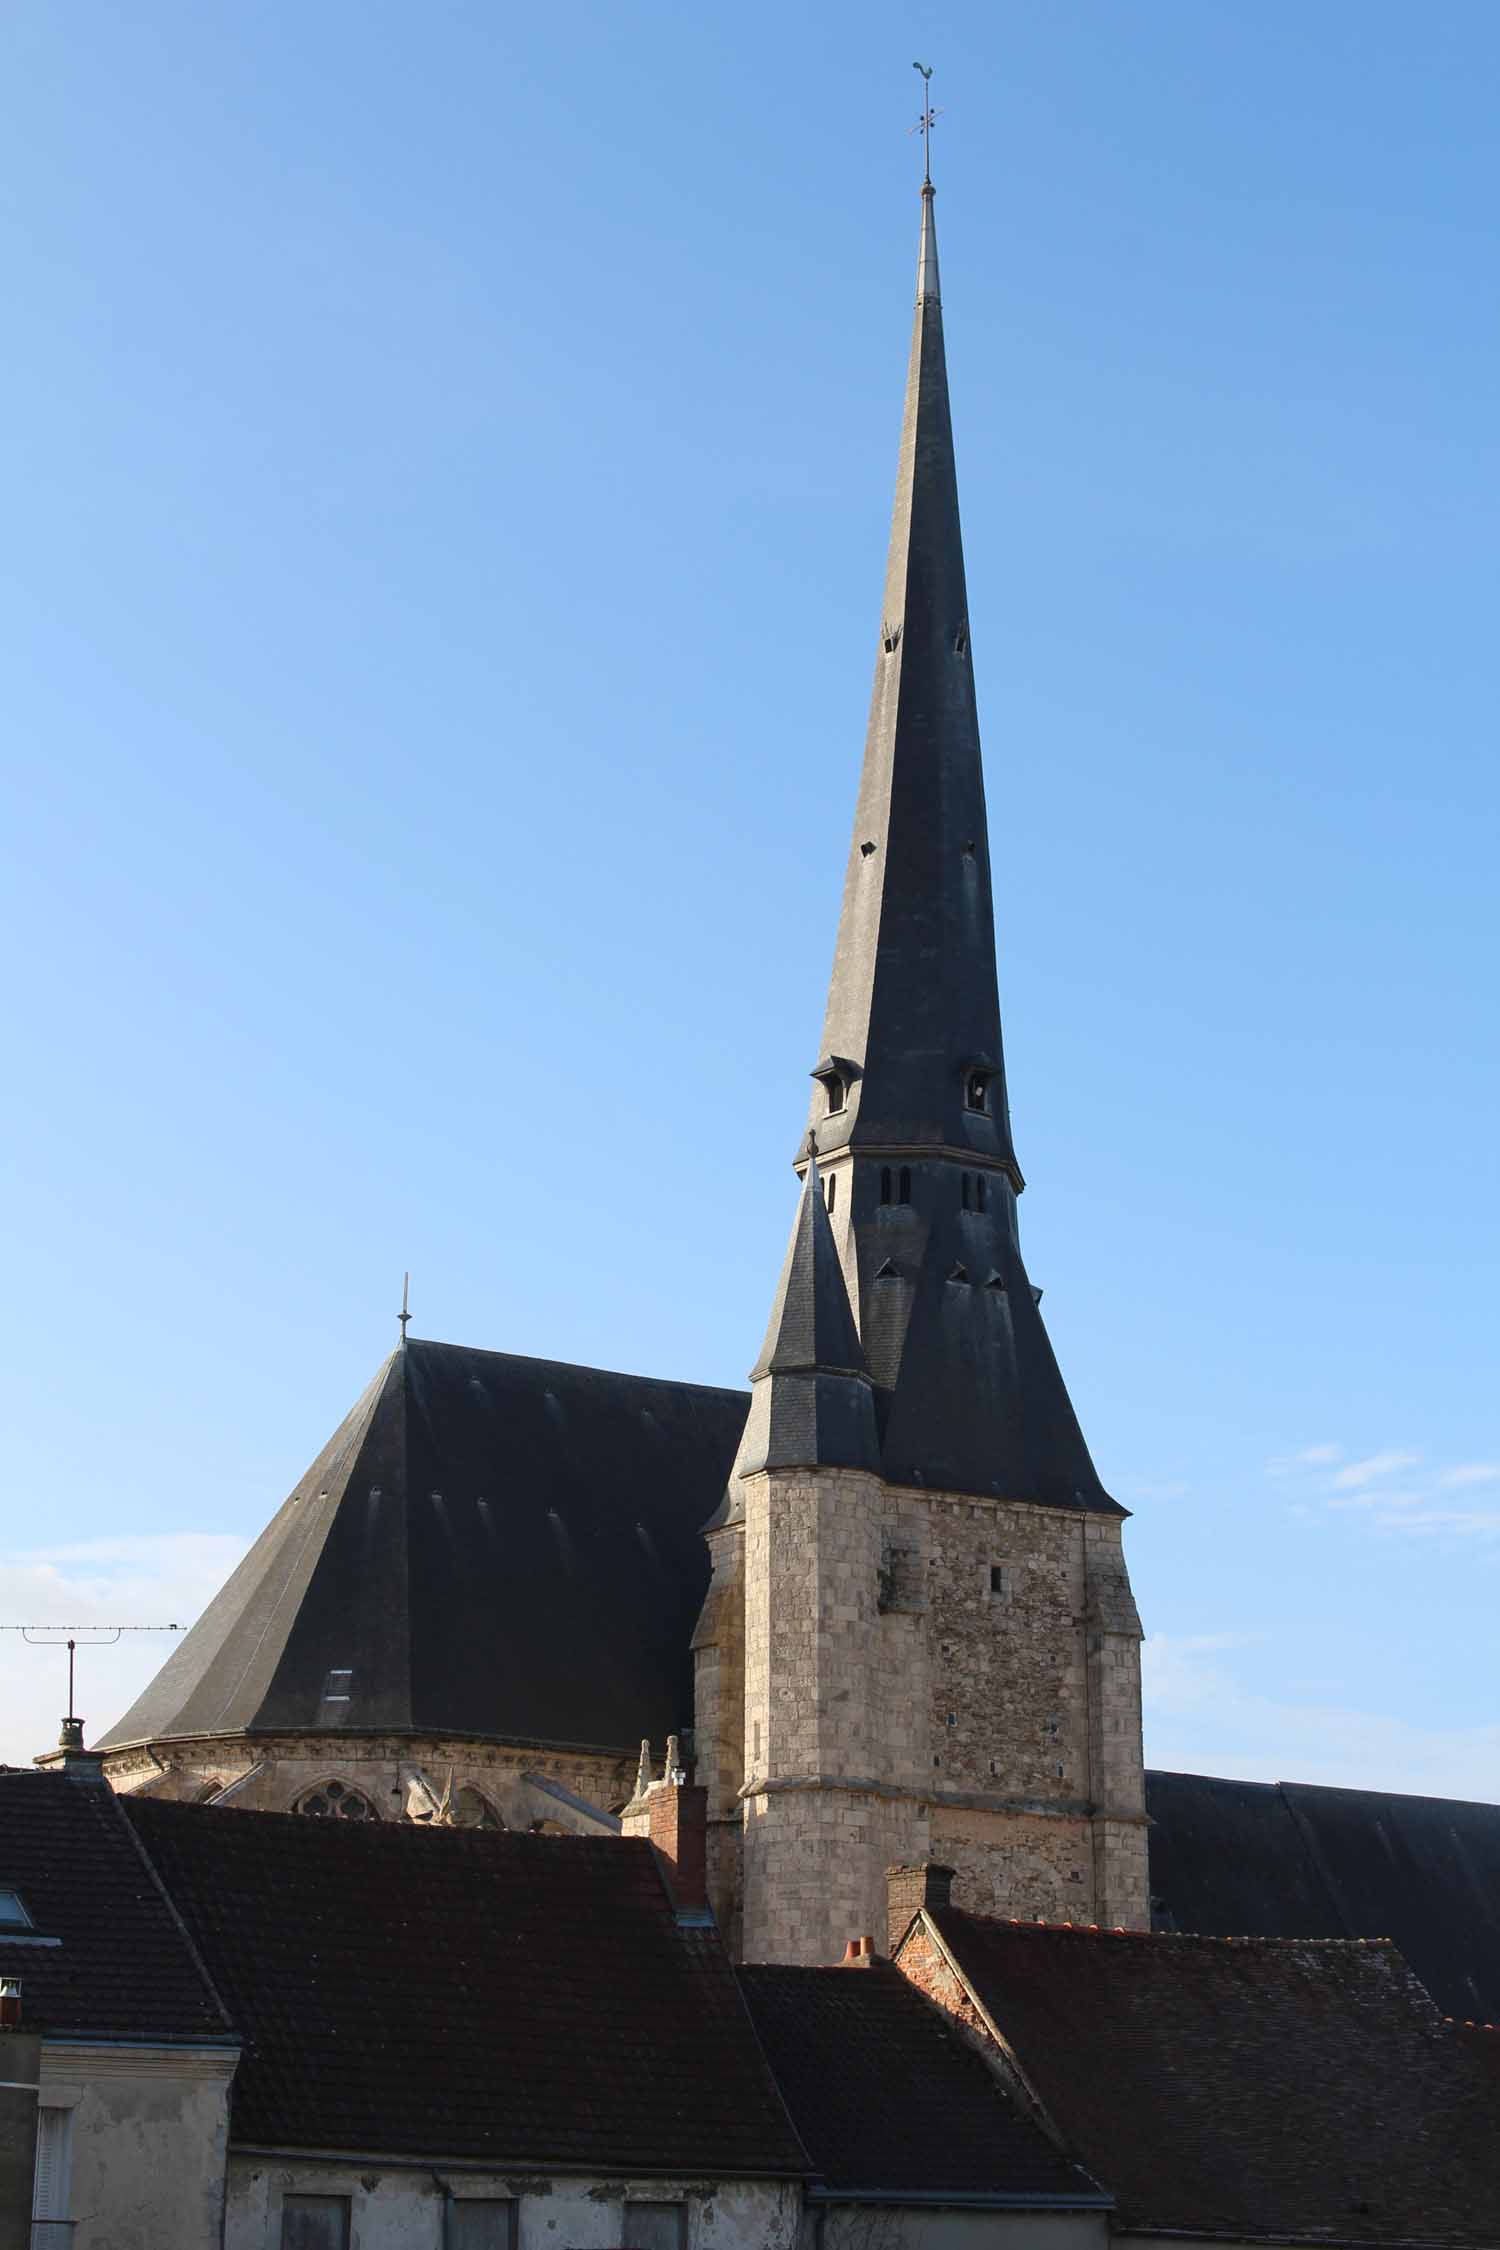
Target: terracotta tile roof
445, 1992
124, 1967
887, 2095
1246, 2086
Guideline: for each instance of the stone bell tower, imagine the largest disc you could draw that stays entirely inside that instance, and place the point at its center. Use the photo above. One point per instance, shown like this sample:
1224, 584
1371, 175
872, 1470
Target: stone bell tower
919, 1640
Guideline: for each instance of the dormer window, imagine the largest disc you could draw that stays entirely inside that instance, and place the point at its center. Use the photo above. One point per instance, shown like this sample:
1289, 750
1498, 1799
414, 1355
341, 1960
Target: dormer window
977, 1088
835, 1075
13, 1914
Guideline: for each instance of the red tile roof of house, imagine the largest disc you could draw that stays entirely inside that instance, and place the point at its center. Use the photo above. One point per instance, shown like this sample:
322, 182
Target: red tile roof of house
1246, 2086
122, 1966
887, 2095
529, 2000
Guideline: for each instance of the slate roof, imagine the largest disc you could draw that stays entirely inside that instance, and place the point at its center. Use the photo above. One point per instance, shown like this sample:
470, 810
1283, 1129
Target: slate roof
489, 1545
1279, 1859
124, 1967
811, 1402
1248, 2087
970, 1397
886, 2096
526, 2000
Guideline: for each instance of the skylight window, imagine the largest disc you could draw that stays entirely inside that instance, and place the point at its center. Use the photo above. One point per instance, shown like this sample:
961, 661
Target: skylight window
13, 1914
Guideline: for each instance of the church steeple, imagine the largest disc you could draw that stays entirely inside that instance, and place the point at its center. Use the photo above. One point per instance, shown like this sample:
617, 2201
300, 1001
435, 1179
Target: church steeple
911, 1038
910, 1114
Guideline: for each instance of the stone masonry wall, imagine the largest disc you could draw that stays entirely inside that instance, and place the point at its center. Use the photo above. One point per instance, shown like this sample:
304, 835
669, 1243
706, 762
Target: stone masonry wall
932, 1674
380, 1767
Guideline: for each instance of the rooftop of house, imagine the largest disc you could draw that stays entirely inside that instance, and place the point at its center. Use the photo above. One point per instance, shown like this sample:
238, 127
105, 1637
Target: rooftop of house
525, 2000
1282, 1859
86, 1925
1258, 2088
888, 2097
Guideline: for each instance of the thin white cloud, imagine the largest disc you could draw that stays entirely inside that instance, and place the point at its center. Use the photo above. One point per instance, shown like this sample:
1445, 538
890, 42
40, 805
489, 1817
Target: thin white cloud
1357, 1474
1392, 1491
1200, 1718
167, 1579
1309, 1457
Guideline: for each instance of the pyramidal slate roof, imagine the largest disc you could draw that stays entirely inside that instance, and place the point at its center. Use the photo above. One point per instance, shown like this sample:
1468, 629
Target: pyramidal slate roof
811, 1402
487, 1545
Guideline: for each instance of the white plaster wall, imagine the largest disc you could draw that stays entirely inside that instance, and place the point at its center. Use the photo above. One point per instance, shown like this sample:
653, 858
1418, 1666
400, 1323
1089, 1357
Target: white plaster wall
403, 2209
149, 2144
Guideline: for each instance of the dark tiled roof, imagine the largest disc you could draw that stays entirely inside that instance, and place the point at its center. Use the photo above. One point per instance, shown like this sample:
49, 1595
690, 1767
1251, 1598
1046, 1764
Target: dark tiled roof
489, 1545
1251, 2087
124, 1968
886, 2095
446, 1992
1279, 1859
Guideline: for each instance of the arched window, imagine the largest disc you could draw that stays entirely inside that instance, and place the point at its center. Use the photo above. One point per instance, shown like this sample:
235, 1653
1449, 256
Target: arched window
335, 1800
833, 1189
472, 1809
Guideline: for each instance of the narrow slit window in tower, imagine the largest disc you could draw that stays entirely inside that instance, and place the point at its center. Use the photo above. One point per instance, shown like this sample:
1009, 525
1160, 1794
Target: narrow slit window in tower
977, 1089
968, 1191
979, 1191
905, 1195
833, 1190
885, 1183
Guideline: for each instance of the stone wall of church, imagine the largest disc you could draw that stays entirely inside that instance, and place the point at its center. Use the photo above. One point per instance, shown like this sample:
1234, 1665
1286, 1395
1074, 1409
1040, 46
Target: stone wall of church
932, 1675
397, 1777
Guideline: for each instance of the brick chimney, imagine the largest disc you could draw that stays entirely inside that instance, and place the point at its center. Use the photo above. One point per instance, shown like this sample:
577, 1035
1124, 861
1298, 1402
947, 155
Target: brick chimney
678, 1827
909, 1889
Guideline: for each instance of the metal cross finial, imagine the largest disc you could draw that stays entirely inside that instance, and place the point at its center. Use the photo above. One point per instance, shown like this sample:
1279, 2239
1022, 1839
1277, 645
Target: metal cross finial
404, 1316
926, 121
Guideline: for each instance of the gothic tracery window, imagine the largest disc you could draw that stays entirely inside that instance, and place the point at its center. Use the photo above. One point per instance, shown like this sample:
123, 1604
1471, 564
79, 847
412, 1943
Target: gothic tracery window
335, 1800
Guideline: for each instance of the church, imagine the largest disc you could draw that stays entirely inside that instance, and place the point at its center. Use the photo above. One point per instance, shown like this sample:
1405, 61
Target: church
878, 1611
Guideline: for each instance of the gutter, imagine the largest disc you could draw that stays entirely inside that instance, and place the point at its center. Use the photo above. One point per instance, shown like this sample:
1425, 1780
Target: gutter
962, 2199
517, 2167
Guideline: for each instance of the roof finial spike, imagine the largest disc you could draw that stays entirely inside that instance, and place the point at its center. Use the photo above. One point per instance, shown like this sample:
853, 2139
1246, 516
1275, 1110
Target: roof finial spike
925, 123
404, 1315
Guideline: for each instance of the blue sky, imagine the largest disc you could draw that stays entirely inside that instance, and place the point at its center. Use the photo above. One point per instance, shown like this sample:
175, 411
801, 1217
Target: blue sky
447, 456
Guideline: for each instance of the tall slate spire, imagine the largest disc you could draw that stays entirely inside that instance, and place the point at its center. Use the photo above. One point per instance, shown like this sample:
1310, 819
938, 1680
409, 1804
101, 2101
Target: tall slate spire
912, 1031
909, 1113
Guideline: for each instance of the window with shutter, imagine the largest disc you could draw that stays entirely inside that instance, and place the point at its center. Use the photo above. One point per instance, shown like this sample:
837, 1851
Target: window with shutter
315, 2222
49, 2195
481, 2223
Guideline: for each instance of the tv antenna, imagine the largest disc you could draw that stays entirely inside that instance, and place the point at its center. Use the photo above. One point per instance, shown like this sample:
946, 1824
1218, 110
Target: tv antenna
73, 1638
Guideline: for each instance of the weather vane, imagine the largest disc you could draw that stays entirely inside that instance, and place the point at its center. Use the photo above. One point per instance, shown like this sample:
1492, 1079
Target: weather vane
926, 121
404, 1316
